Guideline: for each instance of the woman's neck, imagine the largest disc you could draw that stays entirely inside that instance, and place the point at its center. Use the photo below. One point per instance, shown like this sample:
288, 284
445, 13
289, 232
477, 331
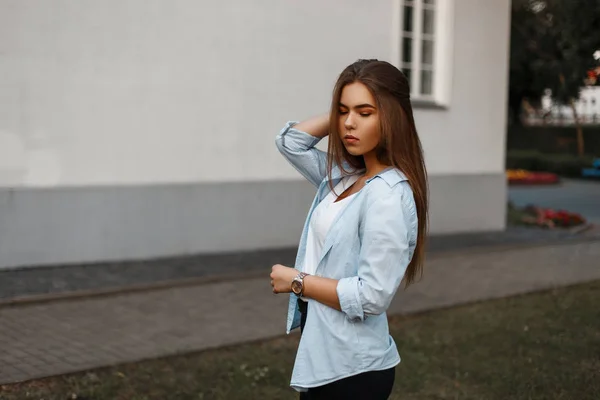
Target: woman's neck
373, 165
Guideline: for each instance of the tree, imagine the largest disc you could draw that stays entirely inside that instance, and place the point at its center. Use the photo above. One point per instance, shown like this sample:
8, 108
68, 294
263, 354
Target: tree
552, 43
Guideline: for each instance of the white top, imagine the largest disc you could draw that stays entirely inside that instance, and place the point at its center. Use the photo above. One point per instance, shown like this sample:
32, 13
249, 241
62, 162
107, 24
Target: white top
321, 221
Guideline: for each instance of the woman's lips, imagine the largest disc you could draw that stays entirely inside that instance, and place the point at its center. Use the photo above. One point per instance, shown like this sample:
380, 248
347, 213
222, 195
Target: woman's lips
351, 139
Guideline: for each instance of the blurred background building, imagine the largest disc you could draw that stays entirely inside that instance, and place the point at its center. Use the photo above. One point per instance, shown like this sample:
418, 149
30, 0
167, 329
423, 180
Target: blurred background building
587, 107
138, 129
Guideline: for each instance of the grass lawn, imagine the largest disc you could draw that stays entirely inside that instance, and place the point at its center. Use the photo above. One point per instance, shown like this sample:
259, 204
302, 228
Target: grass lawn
539, 346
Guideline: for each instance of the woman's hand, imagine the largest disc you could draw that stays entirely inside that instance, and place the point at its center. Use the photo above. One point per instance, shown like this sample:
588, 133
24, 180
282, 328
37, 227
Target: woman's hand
282, 277
316, 126
323, 290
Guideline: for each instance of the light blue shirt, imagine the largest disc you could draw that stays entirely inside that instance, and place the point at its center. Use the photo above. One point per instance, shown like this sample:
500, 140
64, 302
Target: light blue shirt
368, 249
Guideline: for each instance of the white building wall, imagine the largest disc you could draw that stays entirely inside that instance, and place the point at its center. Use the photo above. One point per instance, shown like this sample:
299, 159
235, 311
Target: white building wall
587, 107
101, 97
129, 92
469, 137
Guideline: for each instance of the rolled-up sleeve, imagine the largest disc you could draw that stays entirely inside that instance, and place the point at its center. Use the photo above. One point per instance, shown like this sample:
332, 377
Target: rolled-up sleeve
384, 256
298, 148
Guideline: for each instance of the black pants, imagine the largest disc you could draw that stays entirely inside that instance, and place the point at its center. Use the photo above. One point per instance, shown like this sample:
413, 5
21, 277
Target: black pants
372, 385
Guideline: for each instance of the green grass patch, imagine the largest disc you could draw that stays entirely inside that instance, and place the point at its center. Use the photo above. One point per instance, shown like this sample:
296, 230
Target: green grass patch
539, 346
515, 215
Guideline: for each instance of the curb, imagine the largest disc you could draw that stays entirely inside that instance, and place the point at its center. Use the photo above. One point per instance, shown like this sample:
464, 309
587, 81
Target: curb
213, 279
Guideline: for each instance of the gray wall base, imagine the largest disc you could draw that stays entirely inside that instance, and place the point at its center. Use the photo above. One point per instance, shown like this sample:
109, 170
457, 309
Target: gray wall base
91, 224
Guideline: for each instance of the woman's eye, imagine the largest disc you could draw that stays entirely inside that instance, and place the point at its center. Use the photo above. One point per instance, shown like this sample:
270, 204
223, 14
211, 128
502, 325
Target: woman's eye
365, 114
342, 112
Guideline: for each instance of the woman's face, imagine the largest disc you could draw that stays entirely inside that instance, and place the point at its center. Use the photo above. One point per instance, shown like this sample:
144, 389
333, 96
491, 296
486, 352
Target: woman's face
358, 121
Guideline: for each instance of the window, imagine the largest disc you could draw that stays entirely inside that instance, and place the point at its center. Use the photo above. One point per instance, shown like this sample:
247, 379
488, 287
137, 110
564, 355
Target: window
424, 47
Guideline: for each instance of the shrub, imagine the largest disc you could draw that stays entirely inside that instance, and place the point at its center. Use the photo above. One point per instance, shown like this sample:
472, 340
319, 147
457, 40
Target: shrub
561, 164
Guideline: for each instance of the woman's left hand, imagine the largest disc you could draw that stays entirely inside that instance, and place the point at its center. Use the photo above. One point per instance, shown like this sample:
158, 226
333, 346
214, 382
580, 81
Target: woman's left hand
282, 277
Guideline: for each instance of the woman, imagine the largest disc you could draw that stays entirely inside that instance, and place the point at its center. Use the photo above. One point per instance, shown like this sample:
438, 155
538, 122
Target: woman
363, 235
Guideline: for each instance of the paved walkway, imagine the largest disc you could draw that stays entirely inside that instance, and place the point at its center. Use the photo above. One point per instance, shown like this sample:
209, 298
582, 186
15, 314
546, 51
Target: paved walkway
28, 282
38, 340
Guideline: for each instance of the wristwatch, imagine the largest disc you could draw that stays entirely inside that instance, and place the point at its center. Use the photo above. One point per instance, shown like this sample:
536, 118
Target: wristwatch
298, 284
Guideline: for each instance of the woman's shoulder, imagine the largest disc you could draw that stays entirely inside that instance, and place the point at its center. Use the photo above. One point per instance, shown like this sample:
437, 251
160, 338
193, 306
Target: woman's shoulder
391, 188
390, 182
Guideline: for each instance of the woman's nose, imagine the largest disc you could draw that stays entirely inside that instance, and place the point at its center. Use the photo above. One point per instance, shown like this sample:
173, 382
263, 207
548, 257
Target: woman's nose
349, 123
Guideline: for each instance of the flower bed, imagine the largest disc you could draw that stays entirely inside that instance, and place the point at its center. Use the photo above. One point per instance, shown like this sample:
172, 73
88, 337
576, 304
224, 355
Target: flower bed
549, 218
524, 177
564, 165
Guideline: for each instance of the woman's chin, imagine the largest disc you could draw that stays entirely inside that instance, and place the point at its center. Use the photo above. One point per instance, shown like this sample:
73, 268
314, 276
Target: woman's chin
354, 151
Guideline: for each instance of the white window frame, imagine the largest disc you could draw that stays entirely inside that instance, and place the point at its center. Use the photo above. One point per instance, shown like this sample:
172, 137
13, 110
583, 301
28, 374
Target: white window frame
442, 54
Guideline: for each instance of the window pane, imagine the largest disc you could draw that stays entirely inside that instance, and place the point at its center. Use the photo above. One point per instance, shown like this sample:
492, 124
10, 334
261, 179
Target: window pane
428, 21
429, 2
406, 50
408, 19
427, 52
426, 82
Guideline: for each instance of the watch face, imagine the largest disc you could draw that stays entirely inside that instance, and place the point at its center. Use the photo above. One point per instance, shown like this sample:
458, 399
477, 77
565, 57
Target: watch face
296, 287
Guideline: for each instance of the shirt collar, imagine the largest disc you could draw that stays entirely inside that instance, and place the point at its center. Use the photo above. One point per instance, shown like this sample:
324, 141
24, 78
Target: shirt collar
390, 175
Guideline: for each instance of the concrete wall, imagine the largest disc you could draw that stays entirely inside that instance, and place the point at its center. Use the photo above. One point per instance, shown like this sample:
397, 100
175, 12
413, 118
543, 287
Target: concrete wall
465, 144
127, 92
136, 128
469, 137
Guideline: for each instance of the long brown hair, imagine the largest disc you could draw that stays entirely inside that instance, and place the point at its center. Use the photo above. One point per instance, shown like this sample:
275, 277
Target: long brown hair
399, 145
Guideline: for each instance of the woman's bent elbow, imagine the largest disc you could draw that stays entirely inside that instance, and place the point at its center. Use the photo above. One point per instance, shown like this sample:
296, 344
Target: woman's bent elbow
376, 307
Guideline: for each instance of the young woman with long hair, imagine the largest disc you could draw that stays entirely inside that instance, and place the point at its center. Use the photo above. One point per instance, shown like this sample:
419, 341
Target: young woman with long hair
364, 234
